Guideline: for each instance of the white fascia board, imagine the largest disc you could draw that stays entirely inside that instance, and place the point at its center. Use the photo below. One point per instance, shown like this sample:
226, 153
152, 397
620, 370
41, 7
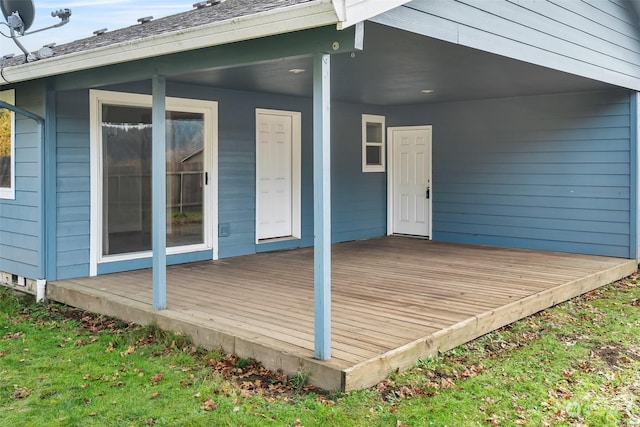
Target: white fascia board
279, 21
341, 9
351, 12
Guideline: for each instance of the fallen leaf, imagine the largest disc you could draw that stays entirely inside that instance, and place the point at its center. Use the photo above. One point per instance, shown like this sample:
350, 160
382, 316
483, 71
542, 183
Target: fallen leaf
20, 392
625, 359
156, 379
446, 383
494, 420
130, 350
568, 374
154, 395
208, 405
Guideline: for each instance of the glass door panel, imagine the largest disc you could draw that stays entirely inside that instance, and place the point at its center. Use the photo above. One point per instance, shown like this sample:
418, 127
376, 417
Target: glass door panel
185, 178
126, 180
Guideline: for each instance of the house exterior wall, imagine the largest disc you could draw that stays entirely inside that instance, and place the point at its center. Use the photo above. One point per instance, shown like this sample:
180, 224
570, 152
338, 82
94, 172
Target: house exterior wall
21, 218
354, 217
544, 172
590, 38
72, 184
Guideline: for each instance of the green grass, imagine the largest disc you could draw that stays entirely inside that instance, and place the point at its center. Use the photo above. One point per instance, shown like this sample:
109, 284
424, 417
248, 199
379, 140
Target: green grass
576, 364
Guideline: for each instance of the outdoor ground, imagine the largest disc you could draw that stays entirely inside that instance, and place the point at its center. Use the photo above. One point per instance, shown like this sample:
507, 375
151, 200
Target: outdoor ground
576, 364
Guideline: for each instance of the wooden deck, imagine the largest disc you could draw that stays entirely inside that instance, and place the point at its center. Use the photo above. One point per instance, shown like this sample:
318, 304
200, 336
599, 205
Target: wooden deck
394, 300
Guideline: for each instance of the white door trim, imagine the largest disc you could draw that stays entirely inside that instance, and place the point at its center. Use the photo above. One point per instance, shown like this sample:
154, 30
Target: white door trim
296, 173
209, 109
390, 172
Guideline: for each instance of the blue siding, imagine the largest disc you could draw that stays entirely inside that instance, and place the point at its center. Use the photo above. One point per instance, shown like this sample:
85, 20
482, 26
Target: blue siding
634, 240
72, 184
236, 152
20, 219
594, 39
353, 219
358, 200
545, 172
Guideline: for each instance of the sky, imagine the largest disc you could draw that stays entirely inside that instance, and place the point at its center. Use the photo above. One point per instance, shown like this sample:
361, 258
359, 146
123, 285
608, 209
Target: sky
88, 16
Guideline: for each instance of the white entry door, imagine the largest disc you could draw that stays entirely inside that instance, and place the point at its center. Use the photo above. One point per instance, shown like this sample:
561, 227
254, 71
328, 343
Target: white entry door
277, 174
410, 181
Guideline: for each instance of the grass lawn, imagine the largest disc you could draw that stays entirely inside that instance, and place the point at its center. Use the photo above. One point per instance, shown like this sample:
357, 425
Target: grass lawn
577, 364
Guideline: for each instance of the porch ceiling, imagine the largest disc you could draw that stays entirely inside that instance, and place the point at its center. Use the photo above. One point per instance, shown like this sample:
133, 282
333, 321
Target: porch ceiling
395, 67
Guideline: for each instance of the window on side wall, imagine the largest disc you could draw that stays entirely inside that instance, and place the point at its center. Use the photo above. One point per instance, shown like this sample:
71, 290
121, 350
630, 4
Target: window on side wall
373, 143
7, 147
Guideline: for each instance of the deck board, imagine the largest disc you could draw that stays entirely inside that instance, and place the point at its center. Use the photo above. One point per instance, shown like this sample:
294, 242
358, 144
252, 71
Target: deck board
393, 300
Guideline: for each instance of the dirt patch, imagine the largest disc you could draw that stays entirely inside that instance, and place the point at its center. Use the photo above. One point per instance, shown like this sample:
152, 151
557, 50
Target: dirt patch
90, 321
614, 354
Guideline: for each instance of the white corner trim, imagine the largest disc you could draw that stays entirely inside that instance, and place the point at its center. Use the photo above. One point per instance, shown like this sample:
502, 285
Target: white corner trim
278, 21
41, 290
355, 11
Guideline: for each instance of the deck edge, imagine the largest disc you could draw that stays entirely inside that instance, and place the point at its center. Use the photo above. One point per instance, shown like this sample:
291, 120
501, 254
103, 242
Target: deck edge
370, 372
97, 301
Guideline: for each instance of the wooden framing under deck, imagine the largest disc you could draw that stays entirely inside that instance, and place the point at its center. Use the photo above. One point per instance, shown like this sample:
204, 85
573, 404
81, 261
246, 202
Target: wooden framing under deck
394, 300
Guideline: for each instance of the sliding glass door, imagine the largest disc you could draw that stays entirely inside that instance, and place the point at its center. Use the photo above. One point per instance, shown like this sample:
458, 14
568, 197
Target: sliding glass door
123, 172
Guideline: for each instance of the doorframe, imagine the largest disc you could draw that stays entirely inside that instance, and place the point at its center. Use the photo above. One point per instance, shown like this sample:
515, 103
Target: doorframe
296, 173
390, 171
209, 110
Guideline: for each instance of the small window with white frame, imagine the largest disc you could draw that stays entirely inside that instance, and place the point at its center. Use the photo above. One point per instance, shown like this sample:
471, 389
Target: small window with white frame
7, 147
373, 143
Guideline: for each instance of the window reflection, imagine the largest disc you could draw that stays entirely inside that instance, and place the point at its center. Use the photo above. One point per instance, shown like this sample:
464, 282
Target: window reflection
127, 170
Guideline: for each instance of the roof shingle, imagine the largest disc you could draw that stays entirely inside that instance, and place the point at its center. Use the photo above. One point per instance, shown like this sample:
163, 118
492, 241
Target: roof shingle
229, 9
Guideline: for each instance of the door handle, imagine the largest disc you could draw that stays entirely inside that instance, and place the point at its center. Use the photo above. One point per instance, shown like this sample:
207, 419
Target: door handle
428, 192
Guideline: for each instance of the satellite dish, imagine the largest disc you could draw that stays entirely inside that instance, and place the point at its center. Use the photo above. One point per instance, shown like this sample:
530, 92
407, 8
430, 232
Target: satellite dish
24, 8
19, 15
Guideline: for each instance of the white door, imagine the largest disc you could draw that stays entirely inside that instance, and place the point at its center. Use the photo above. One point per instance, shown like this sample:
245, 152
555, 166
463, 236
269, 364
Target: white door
410, 181
276, 174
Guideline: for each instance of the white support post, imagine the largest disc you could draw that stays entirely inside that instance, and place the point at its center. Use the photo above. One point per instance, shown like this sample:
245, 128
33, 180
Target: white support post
159, 192
322, 203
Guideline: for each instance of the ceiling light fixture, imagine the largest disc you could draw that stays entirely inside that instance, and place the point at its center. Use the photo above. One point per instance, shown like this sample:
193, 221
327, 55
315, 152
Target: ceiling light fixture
427, 91
297, 70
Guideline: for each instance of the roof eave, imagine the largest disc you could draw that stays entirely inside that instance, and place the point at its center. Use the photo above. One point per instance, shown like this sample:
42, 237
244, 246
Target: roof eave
308, 15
